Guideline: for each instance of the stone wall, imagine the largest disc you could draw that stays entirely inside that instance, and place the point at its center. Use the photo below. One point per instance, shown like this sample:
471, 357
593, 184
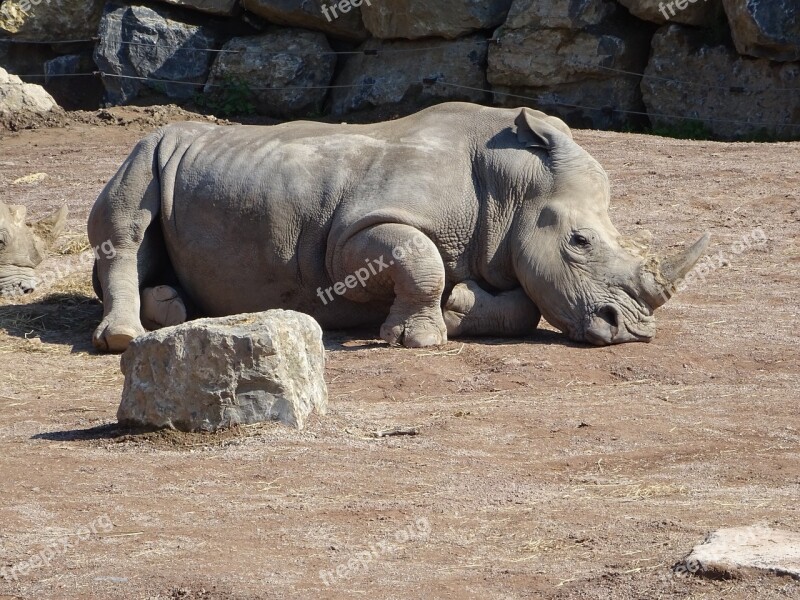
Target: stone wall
727, 67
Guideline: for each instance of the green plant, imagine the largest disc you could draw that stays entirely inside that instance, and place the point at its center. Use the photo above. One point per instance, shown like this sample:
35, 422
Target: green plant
233, 97
691, 129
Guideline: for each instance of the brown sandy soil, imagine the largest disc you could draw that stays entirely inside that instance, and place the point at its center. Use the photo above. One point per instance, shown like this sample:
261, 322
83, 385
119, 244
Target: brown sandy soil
542, 468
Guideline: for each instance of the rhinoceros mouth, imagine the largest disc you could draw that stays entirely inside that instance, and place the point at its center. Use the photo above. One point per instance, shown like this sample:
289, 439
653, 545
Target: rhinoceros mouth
17, 285
607, 324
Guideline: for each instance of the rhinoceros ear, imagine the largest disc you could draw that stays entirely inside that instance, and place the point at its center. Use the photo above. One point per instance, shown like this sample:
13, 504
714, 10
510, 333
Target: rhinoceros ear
51, 227
538, 130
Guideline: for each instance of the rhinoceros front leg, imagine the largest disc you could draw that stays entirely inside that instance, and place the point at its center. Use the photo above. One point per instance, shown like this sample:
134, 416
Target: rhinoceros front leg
472, 311
393, 259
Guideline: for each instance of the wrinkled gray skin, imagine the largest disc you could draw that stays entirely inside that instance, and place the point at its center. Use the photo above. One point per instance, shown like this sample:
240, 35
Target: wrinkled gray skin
503, 218
24, 246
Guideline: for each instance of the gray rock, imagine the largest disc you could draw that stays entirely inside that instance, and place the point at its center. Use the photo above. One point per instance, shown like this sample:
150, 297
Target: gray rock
765, 28
300, 62
740, 551
214, 373
732, 95
73, 93
394, 77
16, 96
575, 53
137, 41
309, 14
688, 12
450, 19
44, 21
214, 7
25, 59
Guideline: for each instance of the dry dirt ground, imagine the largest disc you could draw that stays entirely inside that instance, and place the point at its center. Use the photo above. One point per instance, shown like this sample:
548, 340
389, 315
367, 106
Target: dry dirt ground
542, 468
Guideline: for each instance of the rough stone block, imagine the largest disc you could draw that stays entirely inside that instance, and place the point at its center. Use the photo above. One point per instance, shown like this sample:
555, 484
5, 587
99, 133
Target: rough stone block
215, 373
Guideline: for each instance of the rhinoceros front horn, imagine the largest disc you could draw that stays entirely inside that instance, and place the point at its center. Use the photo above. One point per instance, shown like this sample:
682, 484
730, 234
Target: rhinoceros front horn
672, 269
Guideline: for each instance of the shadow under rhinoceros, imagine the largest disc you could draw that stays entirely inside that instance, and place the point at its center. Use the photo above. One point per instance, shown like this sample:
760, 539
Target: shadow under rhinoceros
60, 318
70, 319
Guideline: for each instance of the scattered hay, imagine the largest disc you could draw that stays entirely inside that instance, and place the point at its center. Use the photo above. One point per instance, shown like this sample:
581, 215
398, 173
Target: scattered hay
631, 492
32, 178
76, 243
65, 313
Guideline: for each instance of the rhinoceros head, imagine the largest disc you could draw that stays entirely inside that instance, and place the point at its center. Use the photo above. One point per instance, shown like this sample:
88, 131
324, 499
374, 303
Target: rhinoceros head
589, 281
23, 246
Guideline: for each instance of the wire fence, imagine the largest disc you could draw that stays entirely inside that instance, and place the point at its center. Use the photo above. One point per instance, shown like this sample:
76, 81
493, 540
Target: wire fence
429, 81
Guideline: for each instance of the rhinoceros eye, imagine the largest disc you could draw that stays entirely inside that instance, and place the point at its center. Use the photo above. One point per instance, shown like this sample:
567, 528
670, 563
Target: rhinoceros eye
580, 240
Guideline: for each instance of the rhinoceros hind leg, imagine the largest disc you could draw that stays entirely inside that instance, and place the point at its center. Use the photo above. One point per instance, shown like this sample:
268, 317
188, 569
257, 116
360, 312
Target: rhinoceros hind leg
472, 311
162, 306
124, 225
406, 264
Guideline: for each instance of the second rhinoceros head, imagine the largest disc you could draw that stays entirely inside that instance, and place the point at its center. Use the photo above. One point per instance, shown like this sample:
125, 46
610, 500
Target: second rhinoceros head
24, 246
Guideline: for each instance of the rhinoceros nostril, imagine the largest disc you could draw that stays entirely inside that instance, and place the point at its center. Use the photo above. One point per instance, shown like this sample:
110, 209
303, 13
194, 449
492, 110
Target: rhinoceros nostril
611, 317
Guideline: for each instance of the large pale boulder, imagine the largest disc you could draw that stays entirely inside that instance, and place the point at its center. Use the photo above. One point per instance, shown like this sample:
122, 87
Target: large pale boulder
298, 63
214, 7
16, 96
394, 76
413, 19
731, 95
744, 551
312, 14
575, 58
46, 20
765, 28
156, 43
216, 373
701, 13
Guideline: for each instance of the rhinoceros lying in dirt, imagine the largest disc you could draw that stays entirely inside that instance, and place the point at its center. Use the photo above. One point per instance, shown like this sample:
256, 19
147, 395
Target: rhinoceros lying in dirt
457, 220
23, 246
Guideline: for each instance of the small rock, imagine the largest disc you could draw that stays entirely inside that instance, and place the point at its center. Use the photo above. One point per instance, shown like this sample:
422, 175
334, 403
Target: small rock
736, 551
16, 96
215, 373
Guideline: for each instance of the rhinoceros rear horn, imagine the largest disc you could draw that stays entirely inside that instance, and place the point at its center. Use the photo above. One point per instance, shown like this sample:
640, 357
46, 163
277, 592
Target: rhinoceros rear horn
538, 130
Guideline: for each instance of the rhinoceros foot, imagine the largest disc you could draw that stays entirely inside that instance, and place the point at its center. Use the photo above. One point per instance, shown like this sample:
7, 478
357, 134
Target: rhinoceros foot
162, 307
423, 328
115, 336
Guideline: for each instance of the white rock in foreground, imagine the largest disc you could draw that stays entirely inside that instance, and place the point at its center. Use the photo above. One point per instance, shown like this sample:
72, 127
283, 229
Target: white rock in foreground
736, 551
214, 373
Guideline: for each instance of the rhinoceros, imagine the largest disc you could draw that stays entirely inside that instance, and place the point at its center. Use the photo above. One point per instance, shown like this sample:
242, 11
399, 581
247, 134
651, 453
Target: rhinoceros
459, 220
24, 246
